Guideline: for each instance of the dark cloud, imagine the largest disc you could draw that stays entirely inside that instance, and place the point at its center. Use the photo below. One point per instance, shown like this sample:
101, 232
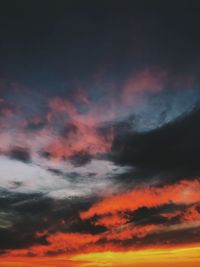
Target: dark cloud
170, 151
20, 153
16, 184
56, 171
21, 232
80, 158
70, 129
45, 154
158, 215
32, 213
10, 237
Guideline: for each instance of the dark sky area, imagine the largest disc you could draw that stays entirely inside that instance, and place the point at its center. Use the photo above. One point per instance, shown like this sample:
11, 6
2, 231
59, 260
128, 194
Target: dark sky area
45, 43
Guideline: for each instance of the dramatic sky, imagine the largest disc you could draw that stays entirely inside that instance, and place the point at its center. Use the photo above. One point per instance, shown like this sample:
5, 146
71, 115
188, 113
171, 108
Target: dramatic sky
99, 133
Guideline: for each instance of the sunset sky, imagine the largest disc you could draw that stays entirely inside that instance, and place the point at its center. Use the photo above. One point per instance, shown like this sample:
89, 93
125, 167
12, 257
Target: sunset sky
99, 133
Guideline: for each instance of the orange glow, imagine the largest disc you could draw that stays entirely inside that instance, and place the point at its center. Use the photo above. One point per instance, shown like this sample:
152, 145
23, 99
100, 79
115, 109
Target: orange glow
39, 262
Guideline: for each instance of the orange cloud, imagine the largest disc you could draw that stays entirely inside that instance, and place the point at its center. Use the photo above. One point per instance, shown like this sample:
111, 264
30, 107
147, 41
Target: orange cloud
184, 192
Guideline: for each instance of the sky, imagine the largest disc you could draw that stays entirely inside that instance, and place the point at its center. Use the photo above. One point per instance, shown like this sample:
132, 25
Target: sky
99, 133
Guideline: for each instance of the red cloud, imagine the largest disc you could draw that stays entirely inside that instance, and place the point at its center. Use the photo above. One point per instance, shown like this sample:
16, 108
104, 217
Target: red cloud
86, 136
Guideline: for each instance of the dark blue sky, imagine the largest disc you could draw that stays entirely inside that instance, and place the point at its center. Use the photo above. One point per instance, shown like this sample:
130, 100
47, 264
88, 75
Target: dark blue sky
44, 42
